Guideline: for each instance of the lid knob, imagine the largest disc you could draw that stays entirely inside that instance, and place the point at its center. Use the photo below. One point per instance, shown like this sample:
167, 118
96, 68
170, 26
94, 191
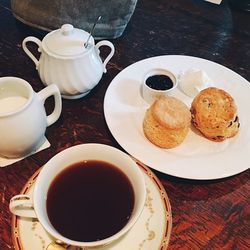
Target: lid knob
67, 29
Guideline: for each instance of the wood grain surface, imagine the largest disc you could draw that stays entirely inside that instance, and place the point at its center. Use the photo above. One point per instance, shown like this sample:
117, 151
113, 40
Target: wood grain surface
206, 214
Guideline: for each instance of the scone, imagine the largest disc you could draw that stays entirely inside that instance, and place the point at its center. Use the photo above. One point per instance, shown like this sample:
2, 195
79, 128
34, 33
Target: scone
214, 114
166, 122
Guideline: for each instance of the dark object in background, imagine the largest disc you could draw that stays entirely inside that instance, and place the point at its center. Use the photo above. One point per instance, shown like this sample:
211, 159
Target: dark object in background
240, 4
52, 14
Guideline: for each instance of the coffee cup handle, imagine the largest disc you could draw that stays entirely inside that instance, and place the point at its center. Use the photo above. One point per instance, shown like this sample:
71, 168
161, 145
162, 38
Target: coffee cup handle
27, 51
111, 53
22, 205
47, 92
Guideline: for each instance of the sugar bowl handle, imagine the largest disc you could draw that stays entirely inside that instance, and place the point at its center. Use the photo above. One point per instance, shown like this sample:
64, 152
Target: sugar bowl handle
111, 53
22, 205
27, 51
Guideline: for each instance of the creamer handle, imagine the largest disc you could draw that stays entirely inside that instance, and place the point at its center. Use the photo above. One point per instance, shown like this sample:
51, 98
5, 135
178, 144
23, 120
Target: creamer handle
112, 48
27, 51
22, 205
47, 92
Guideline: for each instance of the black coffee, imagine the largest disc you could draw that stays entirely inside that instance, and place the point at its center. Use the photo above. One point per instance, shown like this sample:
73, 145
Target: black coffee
90, 201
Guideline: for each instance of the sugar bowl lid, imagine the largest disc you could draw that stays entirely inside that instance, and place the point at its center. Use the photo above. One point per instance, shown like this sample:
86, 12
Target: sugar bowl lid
66, 41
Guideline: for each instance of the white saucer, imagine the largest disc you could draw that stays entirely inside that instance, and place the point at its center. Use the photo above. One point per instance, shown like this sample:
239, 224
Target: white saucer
152, 230
71, 97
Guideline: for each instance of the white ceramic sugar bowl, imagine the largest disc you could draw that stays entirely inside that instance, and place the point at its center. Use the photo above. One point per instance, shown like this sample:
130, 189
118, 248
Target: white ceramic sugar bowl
66, 62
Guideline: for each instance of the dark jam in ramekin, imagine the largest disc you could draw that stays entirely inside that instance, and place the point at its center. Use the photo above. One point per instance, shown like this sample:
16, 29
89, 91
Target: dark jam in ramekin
159, 82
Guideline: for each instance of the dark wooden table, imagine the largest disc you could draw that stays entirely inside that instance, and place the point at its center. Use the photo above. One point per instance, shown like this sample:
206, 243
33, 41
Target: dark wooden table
206, 214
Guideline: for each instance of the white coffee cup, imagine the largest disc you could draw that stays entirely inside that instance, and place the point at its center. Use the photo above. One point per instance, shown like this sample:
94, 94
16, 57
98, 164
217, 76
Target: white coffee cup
23, 118
35, 206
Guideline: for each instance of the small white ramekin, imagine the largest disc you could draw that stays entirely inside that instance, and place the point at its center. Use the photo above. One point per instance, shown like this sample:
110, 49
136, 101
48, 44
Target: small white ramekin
150, 94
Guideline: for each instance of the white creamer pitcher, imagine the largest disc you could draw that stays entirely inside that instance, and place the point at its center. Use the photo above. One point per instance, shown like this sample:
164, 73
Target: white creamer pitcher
66, 62
23, 118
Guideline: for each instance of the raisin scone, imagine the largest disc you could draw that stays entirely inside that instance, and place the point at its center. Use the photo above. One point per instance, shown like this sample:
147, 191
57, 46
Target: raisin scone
166, 122
214, 114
